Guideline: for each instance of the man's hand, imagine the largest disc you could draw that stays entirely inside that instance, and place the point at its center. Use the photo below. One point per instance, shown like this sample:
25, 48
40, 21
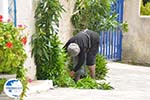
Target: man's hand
72, 73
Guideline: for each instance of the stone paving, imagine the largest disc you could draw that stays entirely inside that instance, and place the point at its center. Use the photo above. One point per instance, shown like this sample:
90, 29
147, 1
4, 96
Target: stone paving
130, 83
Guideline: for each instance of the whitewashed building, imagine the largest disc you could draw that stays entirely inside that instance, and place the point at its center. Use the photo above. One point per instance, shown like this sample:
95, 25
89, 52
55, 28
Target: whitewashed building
136, 42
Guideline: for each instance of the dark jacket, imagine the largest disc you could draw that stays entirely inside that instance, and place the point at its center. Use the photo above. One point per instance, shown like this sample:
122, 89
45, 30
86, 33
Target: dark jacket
85, 40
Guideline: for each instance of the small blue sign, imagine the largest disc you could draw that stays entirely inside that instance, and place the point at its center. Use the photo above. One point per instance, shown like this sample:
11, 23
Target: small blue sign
13, 88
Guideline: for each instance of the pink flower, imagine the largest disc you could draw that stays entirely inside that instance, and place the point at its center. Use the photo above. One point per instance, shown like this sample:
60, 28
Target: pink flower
29, 80
21, 27
9, 20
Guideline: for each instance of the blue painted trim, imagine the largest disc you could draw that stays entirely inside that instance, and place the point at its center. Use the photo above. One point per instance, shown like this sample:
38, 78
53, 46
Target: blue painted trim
112, 45
106, 37
120, 58
109, 44
15, 14
100, 48
122, 10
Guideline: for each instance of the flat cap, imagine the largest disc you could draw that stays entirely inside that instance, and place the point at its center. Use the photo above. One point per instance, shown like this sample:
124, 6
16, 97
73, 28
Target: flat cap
73, 49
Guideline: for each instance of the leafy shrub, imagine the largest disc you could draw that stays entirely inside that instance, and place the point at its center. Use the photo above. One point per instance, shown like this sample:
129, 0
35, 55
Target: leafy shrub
2, 82
101, 68
105, 86
12, 53
95, 15
89, 83
64, 80
47, 48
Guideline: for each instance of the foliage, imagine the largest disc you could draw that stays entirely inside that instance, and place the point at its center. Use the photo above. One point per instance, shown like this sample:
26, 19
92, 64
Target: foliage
105, 86
12, 53
2, 82
124, 26
47, 49
101, 68
95, 15
64, 80
145, 10
89, 83
21, 76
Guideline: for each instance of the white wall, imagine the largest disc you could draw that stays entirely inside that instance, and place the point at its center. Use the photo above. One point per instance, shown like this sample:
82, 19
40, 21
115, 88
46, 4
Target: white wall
136, 42
25, 15
4, 9
66, 28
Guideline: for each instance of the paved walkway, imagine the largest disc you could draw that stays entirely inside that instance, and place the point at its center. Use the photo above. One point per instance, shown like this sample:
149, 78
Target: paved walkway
130, 83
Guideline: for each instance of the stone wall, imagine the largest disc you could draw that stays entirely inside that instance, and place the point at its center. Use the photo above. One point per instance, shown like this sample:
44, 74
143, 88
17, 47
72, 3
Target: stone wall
136, 42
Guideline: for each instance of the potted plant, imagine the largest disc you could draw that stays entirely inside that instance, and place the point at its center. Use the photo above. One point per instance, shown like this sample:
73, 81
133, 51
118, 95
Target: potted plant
12, 53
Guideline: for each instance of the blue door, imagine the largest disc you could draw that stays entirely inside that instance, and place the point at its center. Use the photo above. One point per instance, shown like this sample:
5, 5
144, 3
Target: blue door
111, 41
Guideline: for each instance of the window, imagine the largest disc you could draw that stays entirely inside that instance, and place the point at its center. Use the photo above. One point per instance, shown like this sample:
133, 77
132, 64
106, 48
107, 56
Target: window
144, 8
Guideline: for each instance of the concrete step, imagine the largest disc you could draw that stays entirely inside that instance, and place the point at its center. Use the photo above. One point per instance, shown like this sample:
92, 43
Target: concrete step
36, 86
7, 76
39, 86
3, 96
